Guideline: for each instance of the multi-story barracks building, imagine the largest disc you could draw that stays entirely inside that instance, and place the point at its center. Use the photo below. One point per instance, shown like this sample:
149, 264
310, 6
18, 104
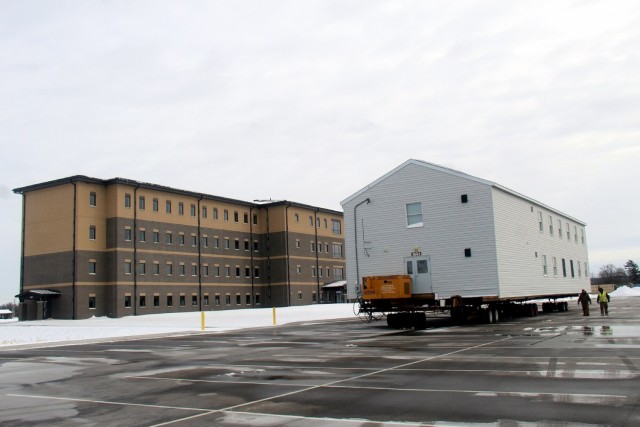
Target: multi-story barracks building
118, 247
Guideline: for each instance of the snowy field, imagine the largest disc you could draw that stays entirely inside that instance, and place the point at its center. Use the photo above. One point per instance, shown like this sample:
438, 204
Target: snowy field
103, 328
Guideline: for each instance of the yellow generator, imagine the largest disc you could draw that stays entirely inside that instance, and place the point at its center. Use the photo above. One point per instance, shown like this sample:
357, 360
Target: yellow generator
386, 287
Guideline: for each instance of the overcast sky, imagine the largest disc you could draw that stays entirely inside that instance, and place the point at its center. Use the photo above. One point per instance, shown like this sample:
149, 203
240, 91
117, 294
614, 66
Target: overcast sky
310, 101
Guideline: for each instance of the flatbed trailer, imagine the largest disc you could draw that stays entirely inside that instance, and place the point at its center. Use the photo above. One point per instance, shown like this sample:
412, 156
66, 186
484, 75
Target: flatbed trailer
391, 296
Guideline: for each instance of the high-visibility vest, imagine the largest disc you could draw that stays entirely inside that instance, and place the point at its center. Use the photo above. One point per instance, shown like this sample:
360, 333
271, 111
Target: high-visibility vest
603, 296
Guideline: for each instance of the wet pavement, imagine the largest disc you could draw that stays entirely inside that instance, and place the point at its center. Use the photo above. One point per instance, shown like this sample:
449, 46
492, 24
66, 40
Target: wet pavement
559, 369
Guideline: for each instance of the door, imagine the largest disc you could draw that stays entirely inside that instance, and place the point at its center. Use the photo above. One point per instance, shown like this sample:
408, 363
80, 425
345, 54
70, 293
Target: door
419, 268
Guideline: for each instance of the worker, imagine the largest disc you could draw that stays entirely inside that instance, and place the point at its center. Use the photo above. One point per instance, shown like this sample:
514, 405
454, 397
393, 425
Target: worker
603, 300
585, 300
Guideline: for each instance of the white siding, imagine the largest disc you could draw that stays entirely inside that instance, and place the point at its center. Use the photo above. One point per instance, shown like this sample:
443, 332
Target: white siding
450, 226
521, 246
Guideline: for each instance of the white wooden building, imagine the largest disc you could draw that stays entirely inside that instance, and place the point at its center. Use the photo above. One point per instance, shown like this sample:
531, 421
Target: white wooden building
461, 235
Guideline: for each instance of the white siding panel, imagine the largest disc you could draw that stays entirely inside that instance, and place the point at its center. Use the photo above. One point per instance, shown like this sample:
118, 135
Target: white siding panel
383, 239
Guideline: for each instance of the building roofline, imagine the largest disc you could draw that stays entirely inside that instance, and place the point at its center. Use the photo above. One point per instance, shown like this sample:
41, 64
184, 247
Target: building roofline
460, 175
150, 186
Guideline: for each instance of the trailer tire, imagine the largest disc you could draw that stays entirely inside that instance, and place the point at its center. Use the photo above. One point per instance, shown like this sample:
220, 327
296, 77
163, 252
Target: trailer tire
419, 321
565, 306
495, 314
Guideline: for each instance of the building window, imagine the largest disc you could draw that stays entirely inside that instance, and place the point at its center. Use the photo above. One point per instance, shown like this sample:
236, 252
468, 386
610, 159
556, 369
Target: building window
205, 299
582, 235
127, 200
156, 268
142, 234
555, 266
255, 219
227, 271
142, 268
317, 222
204, 212
127, 234
579, 269
194, 299
169, 300
464, 198
141, 203
183, 300
312, 246
216, 242
127, 301
325, 223
227, 244
168, 206
205, 270
299, 269
92, 199
236, 218
296, 218
256, 272
92, 267
181, 239
247, 300
182, 269
237, 271
214, 213
564, 268
168, 238
216, 271
247, 272
297, 243
156, 236
544, 265
155, 205
257, 299
313, 272
127, 267
143, 301
336, 227
238, 299
216, 298
320, 272
192, 210
568, 232
467, 252
414, 214
156, 300
550, 225
575, 233
227, 299
310, 221
236, 244
194, 240
246, 245
194, 270
225, 215
92, 232
337, 250
255, 246
299, 295
540, 222
245, 218
560, 228
180, 208
205, 241
169, 269
571, 267
319, 247
338, 273
92, 302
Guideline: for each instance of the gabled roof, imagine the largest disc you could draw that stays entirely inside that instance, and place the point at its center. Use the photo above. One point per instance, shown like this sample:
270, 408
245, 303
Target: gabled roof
459, 174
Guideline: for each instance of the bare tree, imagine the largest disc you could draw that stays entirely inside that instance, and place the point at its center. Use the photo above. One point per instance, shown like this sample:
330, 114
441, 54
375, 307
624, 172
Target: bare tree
612, 274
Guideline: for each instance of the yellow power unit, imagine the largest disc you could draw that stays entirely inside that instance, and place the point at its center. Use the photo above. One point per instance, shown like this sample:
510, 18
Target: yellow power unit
386, 287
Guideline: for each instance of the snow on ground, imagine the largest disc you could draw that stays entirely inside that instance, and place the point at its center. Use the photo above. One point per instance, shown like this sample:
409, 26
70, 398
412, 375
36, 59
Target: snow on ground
100, 328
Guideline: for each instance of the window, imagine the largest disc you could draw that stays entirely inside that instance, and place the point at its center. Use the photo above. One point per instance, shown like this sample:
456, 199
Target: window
544, 265
325, 222
317, 222
555, 266
467, 252
235, 216
194, 299
194, 240
205, 299
300, 295
92, 199
180, 208
299, 269
141, 203
92, 267
338, 273
297, 243
247, 272
168, 238
326, 248
127, 234
568, 232
217, 299
582, 235
225, 215
156, 236
227, 299
255, 246
313, 272
216, 242
205, 270
312, 246
127, 301
92, 302
194, 270
216, 271
204, 212
248, 299
227, 271
256, 272
127, 200
564, 268
214, 213
92, 232
236, 244
540, 221
169, 300
183, 300
193, 210
550, 225
337, 250
310, 221
560, 228
571, 267
168, 206
181, 269
255, 219
257, 299
227, 244
319, 247
142, 235
156, 300
464, 198
245, 218
575, 233
296, 218
142, 268
156, 268
143, 301
237, 271
320, 272
246, 245
414, 214
169, 269
205, 241
155, 205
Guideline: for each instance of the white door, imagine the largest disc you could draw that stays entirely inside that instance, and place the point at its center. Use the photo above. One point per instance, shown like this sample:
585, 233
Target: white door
419, 268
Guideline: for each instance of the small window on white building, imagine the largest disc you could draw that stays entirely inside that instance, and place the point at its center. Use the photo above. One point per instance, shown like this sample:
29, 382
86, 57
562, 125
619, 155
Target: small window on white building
414, 214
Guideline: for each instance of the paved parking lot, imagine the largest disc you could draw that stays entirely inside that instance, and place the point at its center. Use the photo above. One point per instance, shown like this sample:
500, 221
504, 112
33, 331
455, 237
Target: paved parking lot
560, 369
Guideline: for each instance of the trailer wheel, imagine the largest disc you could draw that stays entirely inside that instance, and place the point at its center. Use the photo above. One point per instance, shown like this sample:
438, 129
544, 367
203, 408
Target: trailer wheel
495, 315
419, 321
565, 306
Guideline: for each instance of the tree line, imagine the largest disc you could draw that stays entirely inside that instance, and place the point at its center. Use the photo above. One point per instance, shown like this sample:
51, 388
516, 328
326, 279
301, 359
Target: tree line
629, 273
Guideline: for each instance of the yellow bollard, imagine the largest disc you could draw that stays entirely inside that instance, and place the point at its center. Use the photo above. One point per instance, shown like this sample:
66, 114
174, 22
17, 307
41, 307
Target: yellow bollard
274, 316
202, 320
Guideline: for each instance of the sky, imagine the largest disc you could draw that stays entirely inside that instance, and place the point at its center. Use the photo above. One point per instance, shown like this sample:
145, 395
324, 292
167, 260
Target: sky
310, 101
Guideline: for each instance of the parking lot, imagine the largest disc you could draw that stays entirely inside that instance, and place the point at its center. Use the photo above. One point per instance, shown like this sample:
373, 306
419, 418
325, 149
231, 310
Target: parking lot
555, 369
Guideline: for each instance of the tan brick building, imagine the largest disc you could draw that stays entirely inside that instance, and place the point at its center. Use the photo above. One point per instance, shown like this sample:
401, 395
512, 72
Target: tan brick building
117, 247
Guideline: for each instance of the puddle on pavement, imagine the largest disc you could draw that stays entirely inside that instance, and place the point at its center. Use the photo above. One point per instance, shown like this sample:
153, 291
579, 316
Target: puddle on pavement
614, 331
